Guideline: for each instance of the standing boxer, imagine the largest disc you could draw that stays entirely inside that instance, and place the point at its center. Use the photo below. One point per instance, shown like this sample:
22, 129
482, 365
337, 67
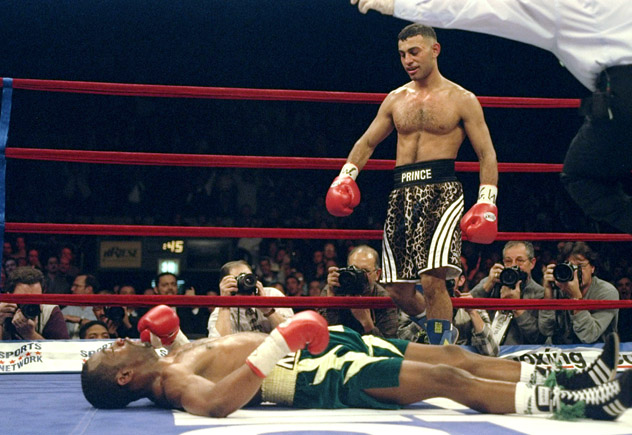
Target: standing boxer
592, 39
422, 238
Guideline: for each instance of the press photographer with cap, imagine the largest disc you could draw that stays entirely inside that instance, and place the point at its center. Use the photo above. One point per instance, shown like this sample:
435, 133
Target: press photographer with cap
360, 278
29, 321
237, 278
574, 278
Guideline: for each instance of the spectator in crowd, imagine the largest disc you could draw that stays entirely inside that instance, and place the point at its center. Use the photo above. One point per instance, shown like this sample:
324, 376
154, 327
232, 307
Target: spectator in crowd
54, 282
75, 316
314, 288
167, 285
362, 275
624, 287
312, 268
29, 321
193, 320
20, 250
236, 277
474, 325
7, 250
67, 262
94, 330
132, 313
513, 326
330, 253
293, 285
66, 270
10, 265
576, 281
33, 259
624, 326
265, 273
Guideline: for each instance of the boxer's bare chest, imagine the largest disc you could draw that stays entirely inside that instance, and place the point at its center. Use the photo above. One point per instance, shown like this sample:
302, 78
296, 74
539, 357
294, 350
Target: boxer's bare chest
432, 113
216, 358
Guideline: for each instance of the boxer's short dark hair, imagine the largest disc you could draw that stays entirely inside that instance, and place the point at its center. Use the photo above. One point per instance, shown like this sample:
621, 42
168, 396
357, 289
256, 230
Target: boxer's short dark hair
417, 29
100, 388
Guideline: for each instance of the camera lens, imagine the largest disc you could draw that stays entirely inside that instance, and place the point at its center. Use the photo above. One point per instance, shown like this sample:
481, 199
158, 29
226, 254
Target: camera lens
508, 277
563, 272
115, 314
246, 283
30, 310
353, 281
511, 275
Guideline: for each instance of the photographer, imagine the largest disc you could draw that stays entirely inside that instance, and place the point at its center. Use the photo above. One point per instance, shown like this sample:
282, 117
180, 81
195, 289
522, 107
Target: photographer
360, 279
512, 280
117, 320
237, 278
29, 322
574, 278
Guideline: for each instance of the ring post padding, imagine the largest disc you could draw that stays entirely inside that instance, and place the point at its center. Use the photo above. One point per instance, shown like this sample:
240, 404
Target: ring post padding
5, 118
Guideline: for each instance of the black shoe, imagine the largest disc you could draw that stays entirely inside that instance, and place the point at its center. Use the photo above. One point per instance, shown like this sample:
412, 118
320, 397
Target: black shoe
605, 402
602, 370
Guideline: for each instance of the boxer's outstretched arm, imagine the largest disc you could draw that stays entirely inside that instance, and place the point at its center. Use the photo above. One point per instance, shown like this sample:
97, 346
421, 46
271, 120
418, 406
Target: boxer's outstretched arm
199, 396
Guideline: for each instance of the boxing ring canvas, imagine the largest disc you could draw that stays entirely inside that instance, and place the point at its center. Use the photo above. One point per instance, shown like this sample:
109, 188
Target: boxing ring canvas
53, 404
40, 393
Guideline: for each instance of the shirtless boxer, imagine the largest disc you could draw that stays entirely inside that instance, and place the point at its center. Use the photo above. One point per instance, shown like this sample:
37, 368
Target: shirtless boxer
591, 39
339, 369
422, 241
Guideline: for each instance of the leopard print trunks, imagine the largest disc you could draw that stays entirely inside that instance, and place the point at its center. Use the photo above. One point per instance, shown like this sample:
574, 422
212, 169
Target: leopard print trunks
422, 230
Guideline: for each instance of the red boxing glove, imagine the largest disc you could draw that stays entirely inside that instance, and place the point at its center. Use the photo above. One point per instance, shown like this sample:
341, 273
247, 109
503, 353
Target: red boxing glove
163, 322
305, 328
480, 223
343, 195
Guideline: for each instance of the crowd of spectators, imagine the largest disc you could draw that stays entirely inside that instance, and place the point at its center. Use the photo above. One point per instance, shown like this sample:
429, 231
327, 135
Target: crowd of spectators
305, 268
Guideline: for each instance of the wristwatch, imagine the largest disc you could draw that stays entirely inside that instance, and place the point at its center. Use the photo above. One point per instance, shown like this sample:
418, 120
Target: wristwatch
269, 313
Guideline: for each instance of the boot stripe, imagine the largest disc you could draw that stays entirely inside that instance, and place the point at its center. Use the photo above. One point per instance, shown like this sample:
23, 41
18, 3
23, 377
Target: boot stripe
600, 372
615, 408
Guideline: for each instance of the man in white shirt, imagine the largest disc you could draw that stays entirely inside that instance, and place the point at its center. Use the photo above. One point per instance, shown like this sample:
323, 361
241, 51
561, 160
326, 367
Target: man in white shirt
591, 38
236, 277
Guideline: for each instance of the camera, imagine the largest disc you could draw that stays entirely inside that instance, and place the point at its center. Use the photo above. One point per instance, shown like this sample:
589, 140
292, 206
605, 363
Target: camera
246, 283
30, 311
353, 281
564, 272
115, 314
511, 275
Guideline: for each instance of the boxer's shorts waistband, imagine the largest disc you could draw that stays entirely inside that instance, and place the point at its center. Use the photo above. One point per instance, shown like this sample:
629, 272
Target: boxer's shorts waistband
434, 171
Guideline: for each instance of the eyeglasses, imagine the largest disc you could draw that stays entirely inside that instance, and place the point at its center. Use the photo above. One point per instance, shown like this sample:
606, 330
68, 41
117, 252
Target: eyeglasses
519, 261
582, 265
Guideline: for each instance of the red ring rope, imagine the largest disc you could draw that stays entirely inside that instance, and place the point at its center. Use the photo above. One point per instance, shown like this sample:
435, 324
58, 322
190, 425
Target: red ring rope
283, 233
141, 90
234, 161
305, 301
